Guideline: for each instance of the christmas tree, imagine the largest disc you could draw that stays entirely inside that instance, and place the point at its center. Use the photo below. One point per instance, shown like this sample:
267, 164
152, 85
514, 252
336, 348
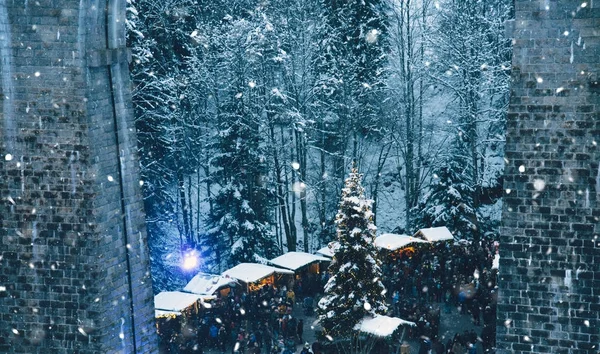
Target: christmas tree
355, 289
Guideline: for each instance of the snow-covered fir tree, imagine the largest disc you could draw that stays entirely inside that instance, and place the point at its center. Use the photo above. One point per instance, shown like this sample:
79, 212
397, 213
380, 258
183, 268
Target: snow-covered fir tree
354, 289
449, 201
240, 218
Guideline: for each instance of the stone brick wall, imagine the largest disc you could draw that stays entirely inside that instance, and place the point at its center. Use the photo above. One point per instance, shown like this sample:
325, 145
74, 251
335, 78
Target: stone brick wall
549, 297
74, 265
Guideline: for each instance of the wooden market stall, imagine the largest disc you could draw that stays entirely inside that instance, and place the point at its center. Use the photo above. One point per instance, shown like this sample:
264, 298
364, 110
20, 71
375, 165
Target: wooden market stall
210, 284
306, 267
329, 250
395, 245
435, 234
175, 311
254, 275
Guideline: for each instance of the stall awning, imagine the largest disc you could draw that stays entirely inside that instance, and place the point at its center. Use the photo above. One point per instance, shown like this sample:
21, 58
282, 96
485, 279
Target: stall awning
435, 234
296, 260
328, 250
394, 242
175, 300
208, 284
381, 326
253, 272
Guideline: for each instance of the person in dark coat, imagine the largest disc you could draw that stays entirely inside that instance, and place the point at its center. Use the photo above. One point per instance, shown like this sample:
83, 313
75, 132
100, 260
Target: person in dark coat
300, 330
438, 347
425, 345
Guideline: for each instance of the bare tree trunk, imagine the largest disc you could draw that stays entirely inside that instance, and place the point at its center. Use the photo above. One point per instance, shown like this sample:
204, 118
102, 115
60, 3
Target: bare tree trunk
301, 154
184, 206
281, 198
381, 159
292, 204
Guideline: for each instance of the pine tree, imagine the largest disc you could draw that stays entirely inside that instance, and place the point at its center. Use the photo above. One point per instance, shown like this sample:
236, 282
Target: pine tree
354, 289
240, 219
449, 202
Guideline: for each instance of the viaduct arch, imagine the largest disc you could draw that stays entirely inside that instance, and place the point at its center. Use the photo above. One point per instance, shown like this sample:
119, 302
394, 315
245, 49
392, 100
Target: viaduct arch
549, 296
74, 263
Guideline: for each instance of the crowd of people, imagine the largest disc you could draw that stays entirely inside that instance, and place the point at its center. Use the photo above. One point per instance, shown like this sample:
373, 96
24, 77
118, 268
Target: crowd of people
422, 286
244, 322
426, 282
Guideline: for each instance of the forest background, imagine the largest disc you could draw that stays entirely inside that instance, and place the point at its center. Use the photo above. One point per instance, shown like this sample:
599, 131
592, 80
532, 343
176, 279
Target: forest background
251, 113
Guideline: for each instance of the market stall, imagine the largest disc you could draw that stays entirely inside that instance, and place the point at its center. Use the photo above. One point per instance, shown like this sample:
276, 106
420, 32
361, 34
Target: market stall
210, 284
329, 250
396, 245
174, 313
306, 267
435, 234
254, 275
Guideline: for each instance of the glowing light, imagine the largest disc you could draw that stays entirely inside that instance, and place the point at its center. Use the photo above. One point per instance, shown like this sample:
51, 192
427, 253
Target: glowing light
539, 184
372, 36
8, 157
540, 80
367, 306
295, 165
110, 178
190, 260
522, 168
15, 331
583, 4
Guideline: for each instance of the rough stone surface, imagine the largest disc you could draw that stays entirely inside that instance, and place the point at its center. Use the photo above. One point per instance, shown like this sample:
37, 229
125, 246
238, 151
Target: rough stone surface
74, 265
549, 296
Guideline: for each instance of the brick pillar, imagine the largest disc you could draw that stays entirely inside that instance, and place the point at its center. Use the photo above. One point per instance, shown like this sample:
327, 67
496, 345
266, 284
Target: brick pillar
550, 251
74, 264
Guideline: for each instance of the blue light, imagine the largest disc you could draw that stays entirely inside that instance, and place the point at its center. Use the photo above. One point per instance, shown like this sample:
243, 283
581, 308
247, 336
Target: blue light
190, 260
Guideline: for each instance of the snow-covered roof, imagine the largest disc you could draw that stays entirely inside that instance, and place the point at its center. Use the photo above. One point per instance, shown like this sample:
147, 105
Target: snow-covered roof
394, 241
163, 313
381, 326
296, 260
174, 300
253, 272
496, 261
435, 234
328, 250
208, 284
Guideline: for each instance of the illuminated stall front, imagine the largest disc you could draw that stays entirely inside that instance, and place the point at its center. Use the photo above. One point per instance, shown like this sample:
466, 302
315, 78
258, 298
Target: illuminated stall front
254, 275
174, 311
306, 266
